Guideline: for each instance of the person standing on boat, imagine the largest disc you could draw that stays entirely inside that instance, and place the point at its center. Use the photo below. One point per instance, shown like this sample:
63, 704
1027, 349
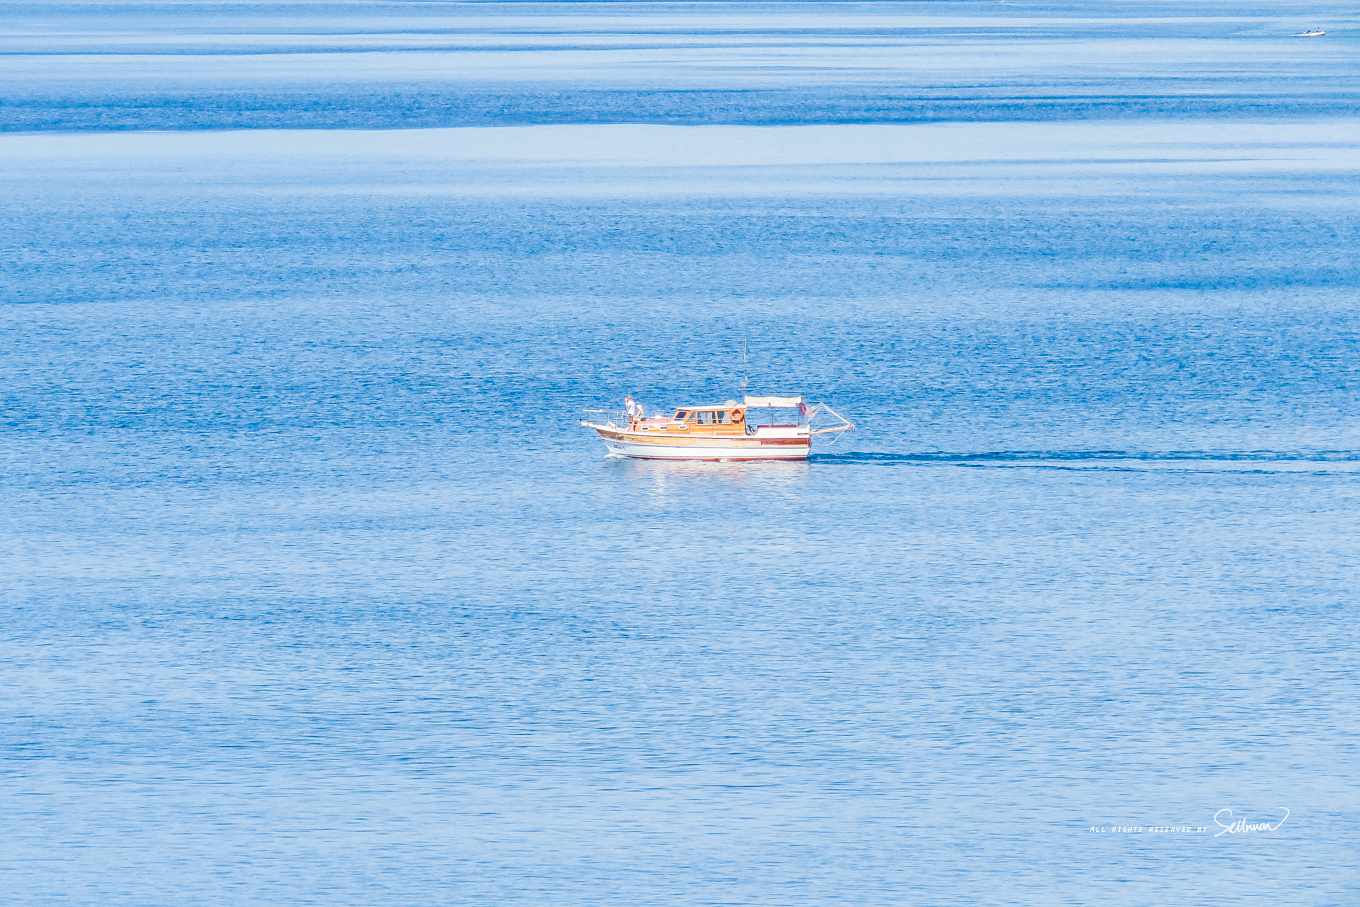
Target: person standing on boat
634, 411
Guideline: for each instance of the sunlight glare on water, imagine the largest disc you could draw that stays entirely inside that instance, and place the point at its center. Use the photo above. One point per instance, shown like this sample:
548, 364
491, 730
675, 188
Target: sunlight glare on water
316, 591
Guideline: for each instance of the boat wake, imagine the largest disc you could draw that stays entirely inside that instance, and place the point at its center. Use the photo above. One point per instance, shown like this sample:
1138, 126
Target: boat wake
1260, 461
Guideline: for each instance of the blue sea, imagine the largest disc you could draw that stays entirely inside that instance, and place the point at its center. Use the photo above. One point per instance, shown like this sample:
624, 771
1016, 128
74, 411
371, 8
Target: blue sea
315, 591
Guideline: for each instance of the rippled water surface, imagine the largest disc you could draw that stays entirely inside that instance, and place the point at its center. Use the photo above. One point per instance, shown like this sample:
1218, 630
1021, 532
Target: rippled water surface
315, 590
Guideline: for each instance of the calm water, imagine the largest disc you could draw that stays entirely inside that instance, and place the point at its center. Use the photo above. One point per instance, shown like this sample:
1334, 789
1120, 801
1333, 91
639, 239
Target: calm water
314, 591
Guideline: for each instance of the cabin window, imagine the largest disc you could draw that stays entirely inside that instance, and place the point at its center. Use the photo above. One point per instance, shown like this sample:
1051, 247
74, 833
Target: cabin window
692, 416
681, 415
724, 417
706, 417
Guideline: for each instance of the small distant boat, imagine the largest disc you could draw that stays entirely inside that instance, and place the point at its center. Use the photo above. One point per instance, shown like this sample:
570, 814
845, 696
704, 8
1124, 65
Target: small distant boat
727, 431
1311, 33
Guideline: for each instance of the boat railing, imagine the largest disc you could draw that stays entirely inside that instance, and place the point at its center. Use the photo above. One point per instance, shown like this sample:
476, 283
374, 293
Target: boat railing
607, 418
616, 419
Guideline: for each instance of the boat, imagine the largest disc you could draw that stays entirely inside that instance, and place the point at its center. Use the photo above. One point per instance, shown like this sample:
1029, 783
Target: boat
1311, 33
726, 431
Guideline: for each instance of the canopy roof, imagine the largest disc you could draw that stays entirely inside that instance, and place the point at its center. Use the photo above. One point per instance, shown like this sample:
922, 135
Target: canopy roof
781, 402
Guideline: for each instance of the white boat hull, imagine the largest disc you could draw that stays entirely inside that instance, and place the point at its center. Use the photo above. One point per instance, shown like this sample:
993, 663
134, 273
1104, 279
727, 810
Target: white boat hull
659, 446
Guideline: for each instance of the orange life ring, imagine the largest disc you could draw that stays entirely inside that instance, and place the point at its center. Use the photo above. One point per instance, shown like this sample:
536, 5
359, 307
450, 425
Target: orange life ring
738, 414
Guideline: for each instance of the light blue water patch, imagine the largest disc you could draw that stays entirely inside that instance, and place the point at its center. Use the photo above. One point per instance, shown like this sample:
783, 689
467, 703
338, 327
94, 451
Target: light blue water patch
316, 591
130, 66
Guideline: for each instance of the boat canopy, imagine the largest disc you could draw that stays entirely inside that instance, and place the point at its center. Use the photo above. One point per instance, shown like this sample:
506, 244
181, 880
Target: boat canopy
779, 402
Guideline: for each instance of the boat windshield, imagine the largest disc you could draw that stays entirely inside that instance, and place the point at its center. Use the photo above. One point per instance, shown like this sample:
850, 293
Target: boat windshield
706, 416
